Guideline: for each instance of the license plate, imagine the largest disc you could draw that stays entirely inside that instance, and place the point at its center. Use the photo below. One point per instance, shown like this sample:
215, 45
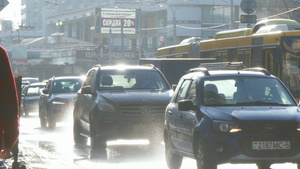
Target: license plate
271, 145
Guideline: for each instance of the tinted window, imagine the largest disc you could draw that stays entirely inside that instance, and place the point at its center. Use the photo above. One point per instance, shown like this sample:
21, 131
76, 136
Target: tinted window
131, 79
245, 91
66, 85
34, 90
182, 93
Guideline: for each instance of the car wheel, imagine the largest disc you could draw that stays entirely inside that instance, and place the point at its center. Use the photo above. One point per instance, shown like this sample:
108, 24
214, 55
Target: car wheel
42, 116
97, 144
51, 120
202, 158
43, 122
79, 140
263, 165
174, 161
26, 113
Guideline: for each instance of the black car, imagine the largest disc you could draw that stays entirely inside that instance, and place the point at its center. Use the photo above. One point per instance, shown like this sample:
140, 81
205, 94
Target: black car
30, 96
232, 116
57, 99
121, 102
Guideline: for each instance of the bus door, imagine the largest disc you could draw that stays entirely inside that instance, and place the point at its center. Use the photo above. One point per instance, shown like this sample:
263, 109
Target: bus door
257, 52
269, 61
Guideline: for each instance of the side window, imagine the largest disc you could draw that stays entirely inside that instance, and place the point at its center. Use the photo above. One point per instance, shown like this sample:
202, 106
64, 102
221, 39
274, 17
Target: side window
88, 78
191, 95
182, 93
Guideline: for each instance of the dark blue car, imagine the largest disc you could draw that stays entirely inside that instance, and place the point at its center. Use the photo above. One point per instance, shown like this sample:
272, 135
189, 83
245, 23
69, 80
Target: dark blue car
245, 116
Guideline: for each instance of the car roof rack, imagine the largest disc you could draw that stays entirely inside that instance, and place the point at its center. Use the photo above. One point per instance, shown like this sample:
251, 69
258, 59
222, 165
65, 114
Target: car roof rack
150, 65
258, 69
199, 69
98, 65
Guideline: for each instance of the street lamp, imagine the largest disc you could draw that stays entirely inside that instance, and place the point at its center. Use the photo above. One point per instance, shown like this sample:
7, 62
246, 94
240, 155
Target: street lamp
58, 24
174, 23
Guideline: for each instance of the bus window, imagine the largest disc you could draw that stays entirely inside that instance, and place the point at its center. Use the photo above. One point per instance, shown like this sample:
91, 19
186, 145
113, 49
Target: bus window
291, 71
244, 56
232, 55
222, 56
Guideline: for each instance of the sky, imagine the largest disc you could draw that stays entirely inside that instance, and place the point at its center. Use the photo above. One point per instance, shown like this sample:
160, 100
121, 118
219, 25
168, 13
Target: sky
12, 12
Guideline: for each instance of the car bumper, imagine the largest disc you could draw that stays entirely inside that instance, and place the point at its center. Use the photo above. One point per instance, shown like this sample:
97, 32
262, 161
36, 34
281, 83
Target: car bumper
62, 111
115, 126
31, 107
237, 148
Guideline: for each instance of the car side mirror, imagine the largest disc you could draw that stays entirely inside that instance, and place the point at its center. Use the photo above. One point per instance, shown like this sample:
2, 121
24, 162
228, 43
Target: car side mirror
186, 105
45, 91
174, 87
86, 90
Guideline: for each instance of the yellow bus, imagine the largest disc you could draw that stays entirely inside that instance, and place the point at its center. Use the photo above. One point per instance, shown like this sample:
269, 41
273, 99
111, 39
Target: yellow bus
273, 44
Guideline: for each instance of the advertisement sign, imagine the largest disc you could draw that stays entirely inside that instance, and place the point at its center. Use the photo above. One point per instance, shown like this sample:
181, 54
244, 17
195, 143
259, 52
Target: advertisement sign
102, 55
114, 21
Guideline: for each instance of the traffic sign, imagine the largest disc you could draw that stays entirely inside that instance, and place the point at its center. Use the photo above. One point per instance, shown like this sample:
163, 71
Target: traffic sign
248, 6
3, 4
248, 18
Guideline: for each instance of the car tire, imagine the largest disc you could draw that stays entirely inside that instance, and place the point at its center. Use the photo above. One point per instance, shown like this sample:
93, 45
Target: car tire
174, 161
97, 144
43, 122
202, 158
51, 120
79, 140
26, 113
263, 165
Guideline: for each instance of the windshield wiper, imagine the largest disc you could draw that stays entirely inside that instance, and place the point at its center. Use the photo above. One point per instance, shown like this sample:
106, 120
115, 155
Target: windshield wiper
260, 103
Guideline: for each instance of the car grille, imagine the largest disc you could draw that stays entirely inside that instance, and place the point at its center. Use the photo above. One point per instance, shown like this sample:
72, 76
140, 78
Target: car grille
142, 110
265, 127
245, 145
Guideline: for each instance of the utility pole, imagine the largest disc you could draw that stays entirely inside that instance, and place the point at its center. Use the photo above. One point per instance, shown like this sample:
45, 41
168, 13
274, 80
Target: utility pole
232, 16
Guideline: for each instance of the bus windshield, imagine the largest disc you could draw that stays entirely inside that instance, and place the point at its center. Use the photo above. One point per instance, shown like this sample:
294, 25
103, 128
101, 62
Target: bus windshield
291, 72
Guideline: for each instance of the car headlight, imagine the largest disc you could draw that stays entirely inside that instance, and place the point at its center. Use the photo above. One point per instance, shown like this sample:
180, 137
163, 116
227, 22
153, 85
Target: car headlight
298, 128
106, 107
58, 102
226, 127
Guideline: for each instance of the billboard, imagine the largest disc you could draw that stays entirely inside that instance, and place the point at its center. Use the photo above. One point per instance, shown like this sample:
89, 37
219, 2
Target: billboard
115, 20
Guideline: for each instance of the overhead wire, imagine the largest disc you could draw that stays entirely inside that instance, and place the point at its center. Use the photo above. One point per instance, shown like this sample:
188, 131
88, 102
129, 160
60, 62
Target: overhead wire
217, 26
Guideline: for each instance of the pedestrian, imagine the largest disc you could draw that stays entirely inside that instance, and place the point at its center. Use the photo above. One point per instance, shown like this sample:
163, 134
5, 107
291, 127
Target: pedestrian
9, 107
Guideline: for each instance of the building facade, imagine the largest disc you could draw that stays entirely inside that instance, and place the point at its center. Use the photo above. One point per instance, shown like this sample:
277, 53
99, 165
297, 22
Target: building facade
152, 24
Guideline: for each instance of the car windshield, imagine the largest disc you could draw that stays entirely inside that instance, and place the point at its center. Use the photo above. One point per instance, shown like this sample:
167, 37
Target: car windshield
245, 91
131, 79
66, 85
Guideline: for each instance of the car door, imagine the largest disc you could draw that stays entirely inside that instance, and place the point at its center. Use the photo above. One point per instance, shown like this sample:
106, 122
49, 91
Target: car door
85, 102
177, 134
188, 119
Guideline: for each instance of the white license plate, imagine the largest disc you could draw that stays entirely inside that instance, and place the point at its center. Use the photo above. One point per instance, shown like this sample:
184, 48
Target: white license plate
271, 145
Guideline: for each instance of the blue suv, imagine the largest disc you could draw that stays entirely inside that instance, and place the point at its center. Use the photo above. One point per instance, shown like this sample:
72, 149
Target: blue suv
231, 116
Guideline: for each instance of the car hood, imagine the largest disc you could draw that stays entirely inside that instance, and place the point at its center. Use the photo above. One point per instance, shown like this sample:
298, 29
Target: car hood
65, 96
136, 97
264, 113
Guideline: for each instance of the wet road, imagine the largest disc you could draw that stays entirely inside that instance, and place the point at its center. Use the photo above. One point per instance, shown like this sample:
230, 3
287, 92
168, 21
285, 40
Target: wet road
41, 148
